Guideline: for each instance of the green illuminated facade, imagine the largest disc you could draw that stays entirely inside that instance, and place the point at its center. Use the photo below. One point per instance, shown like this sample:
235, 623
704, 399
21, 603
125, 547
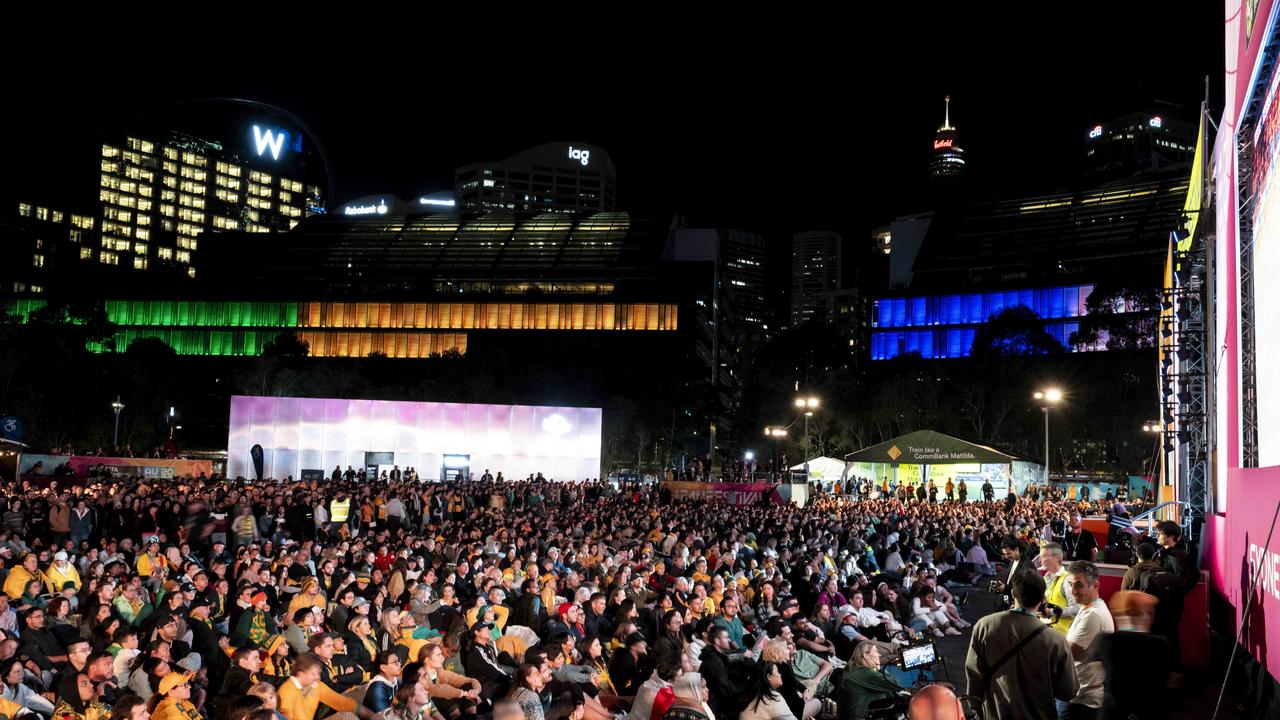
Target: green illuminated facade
354, 329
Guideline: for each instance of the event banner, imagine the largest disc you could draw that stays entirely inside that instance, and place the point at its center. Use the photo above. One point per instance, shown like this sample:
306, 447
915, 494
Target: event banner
1239, 552
150, 468
730, 493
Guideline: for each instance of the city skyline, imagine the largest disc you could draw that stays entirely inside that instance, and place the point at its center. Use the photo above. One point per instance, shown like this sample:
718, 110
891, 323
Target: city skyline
773, 144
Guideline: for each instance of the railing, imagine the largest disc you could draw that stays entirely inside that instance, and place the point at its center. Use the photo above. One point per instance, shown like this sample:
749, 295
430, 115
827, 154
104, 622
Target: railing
1182, 518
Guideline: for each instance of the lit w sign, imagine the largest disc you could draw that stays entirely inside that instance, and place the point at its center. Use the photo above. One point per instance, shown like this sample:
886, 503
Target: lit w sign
273, 141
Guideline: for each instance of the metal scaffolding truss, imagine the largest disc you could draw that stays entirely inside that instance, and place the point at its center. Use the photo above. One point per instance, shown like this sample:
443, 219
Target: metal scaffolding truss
1184, 385
1248, 328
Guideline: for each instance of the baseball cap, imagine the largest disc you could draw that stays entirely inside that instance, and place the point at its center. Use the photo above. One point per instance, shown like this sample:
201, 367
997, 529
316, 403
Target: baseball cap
173, 680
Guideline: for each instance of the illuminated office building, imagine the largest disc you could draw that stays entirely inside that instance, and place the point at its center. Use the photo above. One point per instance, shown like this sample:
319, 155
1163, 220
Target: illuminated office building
945, 326
1137, 145
815, 271
184, 187
356, 329
565, 177
141, 198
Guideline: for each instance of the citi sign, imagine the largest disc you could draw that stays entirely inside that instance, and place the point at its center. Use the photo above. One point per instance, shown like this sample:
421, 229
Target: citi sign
582, 156
274, 141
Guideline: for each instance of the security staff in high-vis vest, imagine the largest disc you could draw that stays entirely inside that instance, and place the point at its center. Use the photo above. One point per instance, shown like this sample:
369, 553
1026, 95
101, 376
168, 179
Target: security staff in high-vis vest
1057, 591
340, 509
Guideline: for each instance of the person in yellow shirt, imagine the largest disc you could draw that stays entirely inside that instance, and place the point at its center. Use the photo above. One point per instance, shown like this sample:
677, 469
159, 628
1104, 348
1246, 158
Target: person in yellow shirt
1057, 589
16, 583
60, 573
151, 562
309, 597
175, 689
299, 697
82, 706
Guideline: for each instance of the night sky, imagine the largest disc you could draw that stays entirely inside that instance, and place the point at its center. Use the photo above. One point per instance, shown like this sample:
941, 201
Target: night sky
774, 128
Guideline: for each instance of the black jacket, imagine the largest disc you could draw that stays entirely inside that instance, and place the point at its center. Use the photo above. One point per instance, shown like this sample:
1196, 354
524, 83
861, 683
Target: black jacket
482, 664
727, 691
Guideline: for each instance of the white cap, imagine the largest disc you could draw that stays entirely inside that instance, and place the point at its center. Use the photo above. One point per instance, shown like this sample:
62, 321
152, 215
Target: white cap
60, 555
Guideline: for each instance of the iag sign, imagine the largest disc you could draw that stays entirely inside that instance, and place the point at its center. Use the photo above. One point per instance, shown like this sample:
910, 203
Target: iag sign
582, 155
271, 141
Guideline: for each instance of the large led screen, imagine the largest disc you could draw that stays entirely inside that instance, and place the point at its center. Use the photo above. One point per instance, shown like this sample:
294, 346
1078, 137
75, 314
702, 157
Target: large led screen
1266, 274
319, 434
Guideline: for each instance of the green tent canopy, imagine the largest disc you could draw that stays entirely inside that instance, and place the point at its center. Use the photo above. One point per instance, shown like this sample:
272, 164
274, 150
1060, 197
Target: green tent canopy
926, 447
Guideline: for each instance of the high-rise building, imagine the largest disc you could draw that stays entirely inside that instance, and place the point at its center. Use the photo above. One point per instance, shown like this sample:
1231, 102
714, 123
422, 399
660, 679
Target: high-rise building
816, 258
948, 157
743, 257
183, 186
556, 177
1137, 145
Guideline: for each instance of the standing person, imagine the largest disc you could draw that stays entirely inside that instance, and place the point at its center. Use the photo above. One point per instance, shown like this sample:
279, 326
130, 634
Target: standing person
1092, 622
1079, 544
1135, 662
988, 492
1178, 577
1058, 589
1015, 665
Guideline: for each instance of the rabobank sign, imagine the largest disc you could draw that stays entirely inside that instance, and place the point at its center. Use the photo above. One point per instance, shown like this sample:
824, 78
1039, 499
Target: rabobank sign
273, 142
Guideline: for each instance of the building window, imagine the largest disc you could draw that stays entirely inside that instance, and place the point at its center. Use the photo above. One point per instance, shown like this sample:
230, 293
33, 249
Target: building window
259, 177
82, 221
139, 263
171, 153
42, 213
24, 209
191, 158
142, 234
184, 257
165, 253
140, 248
86, 253
108, 258
191, 272
37, 261
110, 152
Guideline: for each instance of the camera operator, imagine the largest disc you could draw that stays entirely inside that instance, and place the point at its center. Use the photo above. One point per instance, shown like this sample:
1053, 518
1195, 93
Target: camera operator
1058, 602
1015, 666
1013, 550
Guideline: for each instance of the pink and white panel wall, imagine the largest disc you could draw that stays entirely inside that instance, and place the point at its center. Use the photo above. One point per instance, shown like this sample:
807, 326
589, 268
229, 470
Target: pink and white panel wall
319, 434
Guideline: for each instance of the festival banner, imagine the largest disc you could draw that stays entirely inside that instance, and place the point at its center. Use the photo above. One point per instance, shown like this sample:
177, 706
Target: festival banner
149, 468
730, 493
1237, 551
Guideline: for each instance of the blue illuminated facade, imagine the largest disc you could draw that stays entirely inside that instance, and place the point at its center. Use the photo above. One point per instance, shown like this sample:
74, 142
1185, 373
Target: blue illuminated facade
944, 326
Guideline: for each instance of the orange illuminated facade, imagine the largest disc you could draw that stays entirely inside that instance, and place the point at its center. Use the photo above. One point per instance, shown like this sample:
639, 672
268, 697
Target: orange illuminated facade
356, 329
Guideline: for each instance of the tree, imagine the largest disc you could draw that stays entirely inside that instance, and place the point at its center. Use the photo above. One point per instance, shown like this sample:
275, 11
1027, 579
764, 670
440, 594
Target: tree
1120, 317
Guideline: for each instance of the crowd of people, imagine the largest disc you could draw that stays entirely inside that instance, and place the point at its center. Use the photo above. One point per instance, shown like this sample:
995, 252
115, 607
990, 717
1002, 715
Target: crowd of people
237, 600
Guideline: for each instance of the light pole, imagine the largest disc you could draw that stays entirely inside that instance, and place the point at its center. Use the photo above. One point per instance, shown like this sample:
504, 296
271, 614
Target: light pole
776, 434
116, 406
171, 415
1048, 398
806, 405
